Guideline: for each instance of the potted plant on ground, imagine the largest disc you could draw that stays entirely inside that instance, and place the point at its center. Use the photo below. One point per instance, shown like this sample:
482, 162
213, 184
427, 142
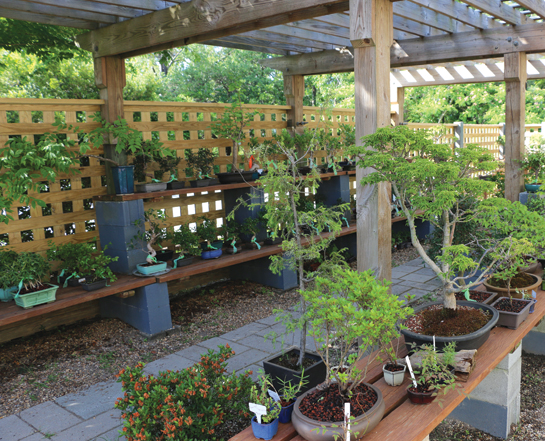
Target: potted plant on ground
152, 235
233, 126
201, 166
188, 243
8, 286
534, 163
28, 272
350, 311
208, 234
266, 409
442, 201
435, 374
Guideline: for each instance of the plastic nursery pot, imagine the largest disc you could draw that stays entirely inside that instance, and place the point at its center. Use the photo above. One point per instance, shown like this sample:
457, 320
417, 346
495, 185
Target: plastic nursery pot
264, 431
504, 292
394, 378
512, 320
420, 397
123, 179
94, 285
285, 413
151, 269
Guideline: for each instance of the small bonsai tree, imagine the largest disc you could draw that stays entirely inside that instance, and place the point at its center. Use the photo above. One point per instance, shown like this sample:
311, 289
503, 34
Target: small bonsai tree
7, 258
187, 240
252, 226
439, 182
207, 232
95, 267
332, 146
230, 232
435, 369
201, 163
233, 125
154, 234
29, 271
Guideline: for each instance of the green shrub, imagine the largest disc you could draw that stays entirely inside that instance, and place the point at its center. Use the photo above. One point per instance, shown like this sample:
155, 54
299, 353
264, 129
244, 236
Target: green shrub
184, 405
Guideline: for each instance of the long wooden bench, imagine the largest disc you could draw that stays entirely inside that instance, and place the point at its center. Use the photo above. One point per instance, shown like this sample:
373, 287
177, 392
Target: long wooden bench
404, 421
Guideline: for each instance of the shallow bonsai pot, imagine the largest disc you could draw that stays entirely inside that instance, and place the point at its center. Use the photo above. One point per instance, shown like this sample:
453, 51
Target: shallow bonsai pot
218, 244
187, 260
175, 185
157, 268
200, 183
470, 341
504, 292
488, 301
532, 188
264, 431
512, 320
394, 378
47, 295
94, 285
363, 424
270, 241
236, 177
314, 374
150, 187
164, 255
7, 294
212, 254
420, 397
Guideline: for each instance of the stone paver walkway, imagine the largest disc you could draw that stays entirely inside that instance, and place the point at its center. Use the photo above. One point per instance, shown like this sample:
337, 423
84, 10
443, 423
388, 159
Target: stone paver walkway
90, 415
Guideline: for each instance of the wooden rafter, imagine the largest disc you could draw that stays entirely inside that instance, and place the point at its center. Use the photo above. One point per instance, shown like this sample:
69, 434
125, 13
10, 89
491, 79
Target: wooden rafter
46, 19
535, 6
500, 10
84, 5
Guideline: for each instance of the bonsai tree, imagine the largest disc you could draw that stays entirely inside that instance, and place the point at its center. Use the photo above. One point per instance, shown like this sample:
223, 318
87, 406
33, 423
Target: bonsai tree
154, 234
201, 163
149, 155
95, 267
70, 257
230, 232
439, 182
7, 281
28, 271
534, 159
207, 232
252, 226
187, 240
168, 164
435, 369
233, 125
299, 244
332, 146
356, 312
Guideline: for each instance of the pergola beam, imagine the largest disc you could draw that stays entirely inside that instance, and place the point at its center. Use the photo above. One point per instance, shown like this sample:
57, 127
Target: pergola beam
47, 19
429, 17
490, 43
82, 5
195, 21
500, 10
536, 6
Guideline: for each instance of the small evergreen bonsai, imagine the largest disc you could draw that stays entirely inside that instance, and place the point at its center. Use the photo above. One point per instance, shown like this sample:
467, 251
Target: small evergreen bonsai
200, 164
187, 240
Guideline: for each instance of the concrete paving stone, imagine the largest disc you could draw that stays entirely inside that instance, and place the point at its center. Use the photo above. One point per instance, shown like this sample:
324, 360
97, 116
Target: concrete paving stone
193, 352
112, 435
92, 402
430, 285
213, 343
259, 342
269, 321
279, 328
36, 437
255, 368
239, 333
415, 262
400, 271
421, 278
242, 361
419, 293
91, 429
12, 428
400, 289
426, 271
172, 362
49, 417
394, 281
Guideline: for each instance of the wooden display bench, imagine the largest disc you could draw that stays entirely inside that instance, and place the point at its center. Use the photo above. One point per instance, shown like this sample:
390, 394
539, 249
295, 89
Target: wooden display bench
404, 421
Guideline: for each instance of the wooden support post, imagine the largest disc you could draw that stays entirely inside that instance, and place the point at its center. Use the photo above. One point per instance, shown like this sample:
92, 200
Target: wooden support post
371, 33
458, 135
294, 90
110, 79
400, 115
515, 113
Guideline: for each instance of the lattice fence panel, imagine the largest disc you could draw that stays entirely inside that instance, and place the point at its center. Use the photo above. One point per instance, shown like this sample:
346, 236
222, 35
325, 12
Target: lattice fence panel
485, 135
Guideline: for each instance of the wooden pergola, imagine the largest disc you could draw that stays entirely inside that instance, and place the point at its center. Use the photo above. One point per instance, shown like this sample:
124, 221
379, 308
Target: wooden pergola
409, 39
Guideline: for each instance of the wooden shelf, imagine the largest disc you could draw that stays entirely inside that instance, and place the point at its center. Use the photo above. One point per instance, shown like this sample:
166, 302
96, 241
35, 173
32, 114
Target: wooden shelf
70, 296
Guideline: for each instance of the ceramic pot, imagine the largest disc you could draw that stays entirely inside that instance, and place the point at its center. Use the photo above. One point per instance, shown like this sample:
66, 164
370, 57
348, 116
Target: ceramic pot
164, 255
150, 187
7, 294
264, 431
420, 397
363, 424
530, 268
285, 413
157, 268
212, 254
394, 378
512, 320
504, 292
123, 179
201, 183
237, 177
532, 188
47, 295
175, 185
94, 285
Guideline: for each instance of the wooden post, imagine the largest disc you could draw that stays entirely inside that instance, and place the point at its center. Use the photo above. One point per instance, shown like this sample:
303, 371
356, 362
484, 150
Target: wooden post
371, 33
400, 116
110, 79
515, 113
458, 135
294, 90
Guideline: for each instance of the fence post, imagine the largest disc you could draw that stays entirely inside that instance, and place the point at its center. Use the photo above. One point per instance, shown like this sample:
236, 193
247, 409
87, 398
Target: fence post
458, 135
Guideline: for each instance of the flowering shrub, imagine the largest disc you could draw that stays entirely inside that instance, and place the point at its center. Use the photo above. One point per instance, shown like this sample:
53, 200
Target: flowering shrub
184, 405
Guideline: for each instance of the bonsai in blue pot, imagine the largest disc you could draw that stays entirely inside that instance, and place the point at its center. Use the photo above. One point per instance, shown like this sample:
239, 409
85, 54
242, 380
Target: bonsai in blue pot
266, 409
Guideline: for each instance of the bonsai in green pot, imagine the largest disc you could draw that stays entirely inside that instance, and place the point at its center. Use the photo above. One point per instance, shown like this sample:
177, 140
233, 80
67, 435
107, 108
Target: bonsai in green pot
69, 257
29, 271
201, 165
349, 312
154, 233
534, 163
188, 243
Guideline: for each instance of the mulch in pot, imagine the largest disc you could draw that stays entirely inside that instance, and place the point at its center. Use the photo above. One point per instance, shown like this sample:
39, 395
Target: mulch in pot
520, 280
394, 367
39, 287
328, 405
510, 306
289, 360
478, 296
437, 321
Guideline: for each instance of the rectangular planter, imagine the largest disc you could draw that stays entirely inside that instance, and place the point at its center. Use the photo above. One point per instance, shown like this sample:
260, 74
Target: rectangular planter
513, 320
94, 285
37, 298
157, 268
314, 374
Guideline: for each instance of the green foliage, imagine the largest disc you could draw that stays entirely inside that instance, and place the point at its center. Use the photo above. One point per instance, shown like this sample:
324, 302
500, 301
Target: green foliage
351, 309
154, 232
200, 163
534, 158
331, 144
187, 405
206, 230
187, 240
30, 269
435, 371
7, 257
259, 394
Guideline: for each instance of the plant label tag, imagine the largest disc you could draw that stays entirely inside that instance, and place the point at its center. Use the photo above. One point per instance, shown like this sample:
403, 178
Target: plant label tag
408, 360
81, 280
274, 395
434, 342
347, 420
259, 411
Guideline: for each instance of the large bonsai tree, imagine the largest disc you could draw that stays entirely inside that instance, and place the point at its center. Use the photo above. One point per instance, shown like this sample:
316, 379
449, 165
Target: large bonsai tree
434, 182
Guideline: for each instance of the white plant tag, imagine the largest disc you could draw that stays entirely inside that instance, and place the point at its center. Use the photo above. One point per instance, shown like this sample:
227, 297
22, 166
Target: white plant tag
347, 419
259, 411
434, 343
82, 280
408, 360
274, 395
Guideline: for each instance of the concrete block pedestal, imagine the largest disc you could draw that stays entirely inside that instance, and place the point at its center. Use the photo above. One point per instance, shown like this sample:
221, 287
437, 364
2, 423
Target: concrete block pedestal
258, 271
495, 403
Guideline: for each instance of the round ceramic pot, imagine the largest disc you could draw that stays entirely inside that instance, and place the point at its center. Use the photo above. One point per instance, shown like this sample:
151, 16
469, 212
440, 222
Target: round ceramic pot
470, 341
394, 378
420, 397
530, 268
307, 428
532, 188
504, 292
264, 431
